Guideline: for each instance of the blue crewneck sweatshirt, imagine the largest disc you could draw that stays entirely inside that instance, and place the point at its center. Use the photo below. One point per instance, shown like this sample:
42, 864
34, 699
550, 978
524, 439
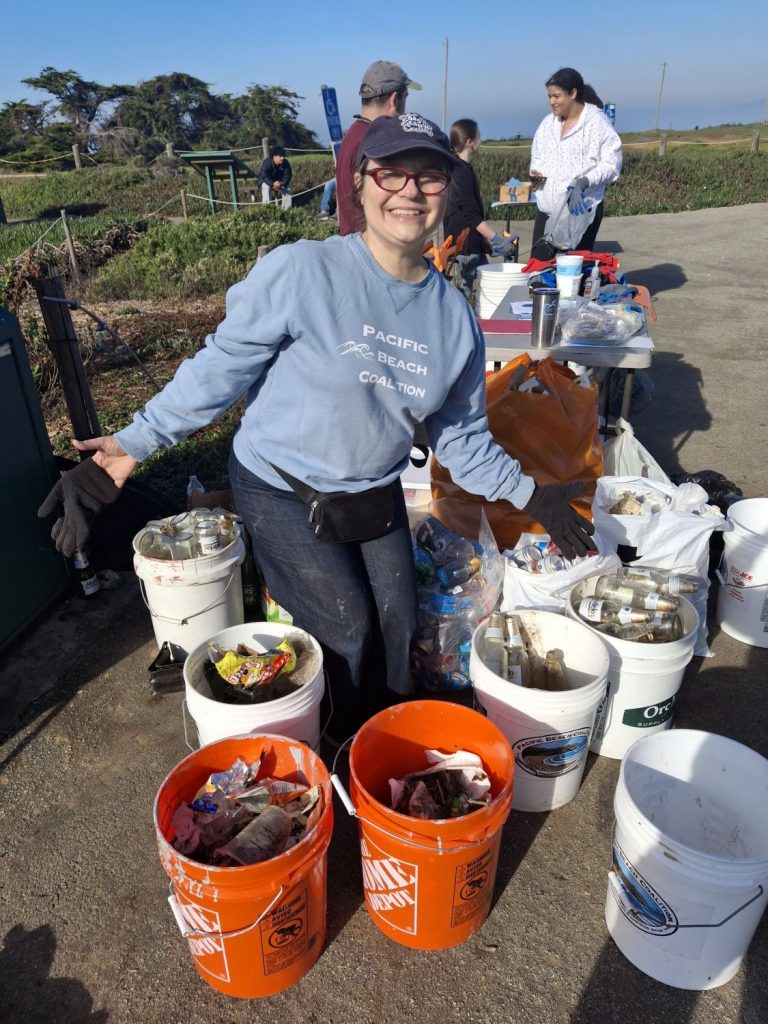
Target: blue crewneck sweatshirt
340, 361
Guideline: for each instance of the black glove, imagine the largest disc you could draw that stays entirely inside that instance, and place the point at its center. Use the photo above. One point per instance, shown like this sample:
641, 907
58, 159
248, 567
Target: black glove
571, 532
78, 497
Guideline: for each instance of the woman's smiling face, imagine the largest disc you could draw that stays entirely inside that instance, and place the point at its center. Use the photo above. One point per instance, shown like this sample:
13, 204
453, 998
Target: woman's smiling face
406, 218
561, 103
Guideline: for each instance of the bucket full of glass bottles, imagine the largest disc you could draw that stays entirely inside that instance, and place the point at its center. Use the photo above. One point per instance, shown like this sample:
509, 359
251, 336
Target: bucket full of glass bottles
193, 534
640, 604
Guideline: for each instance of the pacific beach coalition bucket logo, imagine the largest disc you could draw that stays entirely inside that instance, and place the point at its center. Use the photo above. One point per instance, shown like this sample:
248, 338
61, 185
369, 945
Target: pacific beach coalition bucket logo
550, 756
638, 900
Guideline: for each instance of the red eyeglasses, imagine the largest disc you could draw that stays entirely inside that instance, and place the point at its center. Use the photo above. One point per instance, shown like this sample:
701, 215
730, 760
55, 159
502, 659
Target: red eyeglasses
394, 179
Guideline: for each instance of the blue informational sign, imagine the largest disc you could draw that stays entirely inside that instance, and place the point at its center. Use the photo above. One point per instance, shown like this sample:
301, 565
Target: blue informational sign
332, 113
609, 109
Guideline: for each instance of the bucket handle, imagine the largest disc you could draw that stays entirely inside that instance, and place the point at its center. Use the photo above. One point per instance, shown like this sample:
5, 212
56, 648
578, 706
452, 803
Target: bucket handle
343, 795
184, 710
330, 713
614, 880
194, 933
722, 578
182, 622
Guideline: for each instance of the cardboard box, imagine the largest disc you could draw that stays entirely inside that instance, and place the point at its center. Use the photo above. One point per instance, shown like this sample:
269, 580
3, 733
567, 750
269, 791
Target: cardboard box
519, 194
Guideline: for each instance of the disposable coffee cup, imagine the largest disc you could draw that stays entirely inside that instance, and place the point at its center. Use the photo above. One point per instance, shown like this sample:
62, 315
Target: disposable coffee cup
568, 286
568, 265
544, 316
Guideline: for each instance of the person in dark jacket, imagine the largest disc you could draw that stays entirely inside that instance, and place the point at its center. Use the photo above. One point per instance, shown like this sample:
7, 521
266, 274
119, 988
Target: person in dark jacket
465, 208
275, 178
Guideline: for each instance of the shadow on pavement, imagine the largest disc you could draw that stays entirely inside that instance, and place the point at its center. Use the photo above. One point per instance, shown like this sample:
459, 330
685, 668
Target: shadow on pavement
664, 277
676, 411
28, 994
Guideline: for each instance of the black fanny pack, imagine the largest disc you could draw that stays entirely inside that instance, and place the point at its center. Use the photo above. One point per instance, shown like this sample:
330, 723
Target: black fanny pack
342, 517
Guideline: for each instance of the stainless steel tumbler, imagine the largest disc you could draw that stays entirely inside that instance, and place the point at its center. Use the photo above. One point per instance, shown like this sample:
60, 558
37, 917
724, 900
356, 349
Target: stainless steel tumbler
544, 316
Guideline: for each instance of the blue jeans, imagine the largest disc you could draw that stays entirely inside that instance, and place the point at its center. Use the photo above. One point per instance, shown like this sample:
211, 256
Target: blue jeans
329, 191
357, 600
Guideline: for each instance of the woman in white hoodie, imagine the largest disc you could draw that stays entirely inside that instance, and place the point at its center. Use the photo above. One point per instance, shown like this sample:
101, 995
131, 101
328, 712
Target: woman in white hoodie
577, 152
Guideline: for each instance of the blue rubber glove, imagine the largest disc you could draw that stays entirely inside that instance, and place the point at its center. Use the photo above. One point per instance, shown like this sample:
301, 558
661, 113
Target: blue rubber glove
576, 202
501, 246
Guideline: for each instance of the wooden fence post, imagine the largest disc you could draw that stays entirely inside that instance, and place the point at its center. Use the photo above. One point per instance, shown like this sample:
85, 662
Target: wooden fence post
184, 208
63, 343
265, 146
662, 145
169, 150
755, 142
71, 250
261, 252
76, 155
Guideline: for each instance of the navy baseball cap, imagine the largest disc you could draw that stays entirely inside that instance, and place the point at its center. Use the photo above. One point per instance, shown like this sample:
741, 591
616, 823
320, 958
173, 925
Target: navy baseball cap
400, 133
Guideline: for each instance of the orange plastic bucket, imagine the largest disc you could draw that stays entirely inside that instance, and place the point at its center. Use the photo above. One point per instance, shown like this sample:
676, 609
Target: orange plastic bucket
254, 930
428, 884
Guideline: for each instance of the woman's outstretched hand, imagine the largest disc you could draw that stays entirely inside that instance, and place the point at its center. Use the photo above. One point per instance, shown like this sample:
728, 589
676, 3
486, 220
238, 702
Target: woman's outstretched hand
110, 456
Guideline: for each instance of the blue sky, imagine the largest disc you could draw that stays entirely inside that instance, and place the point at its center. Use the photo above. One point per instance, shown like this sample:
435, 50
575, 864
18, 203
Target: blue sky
497, 61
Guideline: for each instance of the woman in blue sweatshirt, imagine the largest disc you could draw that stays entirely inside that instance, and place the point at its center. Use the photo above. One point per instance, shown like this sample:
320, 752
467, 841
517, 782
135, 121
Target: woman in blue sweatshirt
342, 348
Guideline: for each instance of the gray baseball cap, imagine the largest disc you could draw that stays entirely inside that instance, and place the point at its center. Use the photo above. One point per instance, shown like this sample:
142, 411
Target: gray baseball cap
384, 77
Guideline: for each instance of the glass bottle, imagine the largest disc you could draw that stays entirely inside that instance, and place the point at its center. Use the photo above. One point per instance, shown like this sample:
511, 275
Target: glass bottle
554, 672
596, 610
494, 651
665, 628
629, 592
657, 579
87, 579
207, 536
518, 667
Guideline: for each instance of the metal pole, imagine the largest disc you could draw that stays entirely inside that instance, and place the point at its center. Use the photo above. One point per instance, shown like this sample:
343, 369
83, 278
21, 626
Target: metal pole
445, 83
661, 89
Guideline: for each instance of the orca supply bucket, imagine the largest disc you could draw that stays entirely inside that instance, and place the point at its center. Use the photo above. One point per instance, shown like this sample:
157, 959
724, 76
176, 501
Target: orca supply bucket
549, 732
689, 878
643, 679
742, 603
253, 930
297, 714
190, 599
427, 884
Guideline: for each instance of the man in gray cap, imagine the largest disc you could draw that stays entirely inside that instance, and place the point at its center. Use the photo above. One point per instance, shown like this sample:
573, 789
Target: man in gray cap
382, 93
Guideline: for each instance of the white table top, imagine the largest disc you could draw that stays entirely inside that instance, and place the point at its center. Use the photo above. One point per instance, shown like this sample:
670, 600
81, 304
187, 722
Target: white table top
635, 354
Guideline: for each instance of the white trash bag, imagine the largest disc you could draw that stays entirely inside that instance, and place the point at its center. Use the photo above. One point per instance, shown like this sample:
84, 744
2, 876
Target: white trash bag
549, 591
623, 455
672, 532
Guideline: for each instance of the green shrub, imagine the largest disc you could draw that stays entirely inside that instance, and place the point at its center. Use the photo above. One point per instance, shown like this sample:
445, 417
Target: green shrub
202, 257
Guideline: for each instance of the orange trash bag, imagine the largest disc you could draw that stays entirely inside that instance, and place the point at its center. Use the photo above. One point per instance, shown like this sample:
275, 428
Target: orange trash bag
553, 436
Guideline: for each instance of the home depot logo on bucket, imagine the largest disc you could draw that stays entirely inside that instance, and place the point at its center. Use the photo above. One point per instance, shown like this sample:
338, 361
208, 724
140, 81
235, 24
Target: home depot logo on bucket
391, 887
548, 757
209, 951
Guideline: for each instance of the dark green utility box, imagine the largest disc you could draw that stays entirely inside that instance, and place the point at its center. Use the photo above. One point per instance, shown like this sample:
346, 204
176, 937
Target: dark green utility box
32, 572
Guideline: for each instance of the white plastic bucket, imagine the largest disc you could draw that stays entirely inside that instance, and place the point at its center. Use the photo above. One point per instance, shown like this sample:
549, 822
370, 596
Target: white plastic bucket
296, 715
493, 283
742, 604
549, 732
190, 599
689, 879
643, 680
